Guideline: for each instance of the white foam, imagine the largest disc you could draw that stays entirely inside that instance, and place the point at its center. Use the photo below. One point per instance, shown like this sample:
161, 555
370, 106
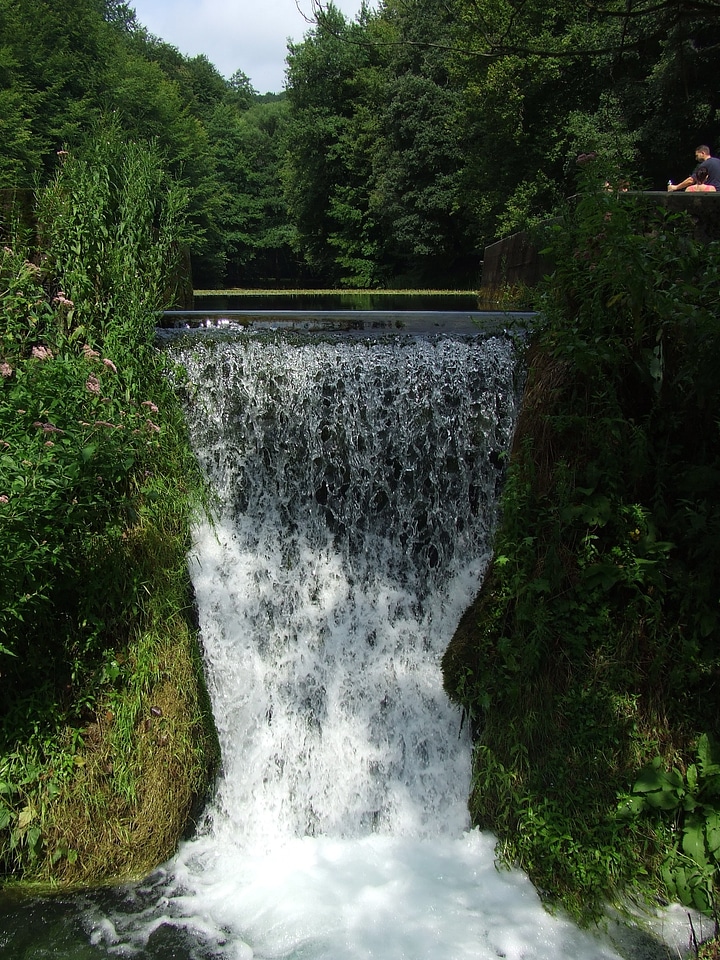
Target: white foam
379, 896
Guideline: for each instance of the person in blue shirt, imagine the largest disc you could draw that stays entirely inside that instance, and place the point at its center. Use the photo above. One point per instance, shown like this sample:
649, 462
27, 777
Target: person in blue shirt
704, 159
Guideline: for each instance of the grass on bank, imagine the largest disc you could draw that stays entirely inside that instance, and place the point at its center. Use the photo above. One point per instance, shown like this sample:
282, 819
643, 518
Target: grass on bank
104, 795
106, 738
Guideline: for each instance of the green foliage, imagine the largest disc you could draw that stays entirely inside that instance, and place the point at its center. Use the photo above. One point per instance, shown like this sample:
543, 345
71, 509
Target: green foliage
21, 804
250, 149
322, 163
594, 639
547, 82
54, 57
418, 133
75, 445
691, 802
97, 487
112, 227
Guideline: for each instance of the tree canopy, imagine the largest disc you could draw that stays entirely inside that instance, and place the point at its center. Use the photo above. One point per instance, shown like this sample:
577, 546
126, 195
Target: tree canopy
407, 139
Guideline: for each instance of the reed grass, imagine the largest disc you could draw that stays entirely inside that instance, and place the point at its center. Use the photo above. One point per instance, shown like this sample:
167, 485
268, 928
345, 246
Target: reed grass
142, 772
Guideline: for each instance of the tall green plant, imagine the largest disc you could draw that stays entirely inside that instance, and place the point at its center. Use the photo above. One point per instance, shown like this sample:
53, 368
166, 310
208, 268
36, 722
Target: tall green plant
112, 228
690, 801
79, 433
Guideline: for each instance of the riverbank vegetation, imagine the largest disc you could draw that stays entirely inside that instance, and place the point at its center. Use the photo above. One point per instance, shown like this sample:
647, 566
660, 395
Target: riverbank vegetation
589, 664
105, 741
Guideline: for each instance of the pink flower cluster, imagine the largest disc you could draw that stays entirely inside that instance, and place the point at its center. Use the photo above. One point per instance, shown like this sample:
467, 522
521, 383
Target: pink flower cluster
91, 354
42, 353
47, 427
106, 423
32, 268
5, 369
93, 385
148, 426
62, 301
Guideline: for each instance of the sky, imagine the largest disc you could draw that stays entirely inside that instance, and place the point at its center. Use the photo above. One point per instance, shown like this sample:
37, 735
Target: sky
247, 35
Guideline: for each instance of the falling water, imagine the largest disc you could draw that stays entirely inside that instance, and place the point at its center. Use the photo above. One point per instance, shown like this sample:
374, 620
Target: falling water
356, 487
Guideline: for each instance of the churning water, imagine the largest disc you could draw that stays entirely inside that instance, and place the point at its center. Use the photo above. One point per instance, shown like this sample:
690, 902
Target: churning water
356, 486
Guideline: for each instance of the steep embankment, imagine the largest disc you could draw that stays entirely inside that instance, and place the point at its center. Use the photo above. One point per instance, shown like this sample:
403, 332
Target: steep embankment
590, 664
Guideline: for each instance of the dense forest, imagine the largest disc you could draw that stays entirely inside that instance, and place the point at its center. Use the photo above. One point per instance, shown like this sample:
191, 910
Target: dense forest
406, 140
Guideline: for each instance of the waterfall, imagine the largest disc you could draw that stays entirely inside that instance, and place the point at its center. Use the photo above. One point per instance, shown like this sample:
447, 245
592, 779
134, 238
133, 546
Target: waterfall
356, 487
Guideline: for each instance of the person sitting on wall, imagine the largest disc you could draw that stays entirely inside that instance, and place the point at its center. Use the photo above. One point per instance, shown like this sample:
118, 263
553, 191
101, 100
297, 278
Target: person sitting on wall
701, 185
704, 159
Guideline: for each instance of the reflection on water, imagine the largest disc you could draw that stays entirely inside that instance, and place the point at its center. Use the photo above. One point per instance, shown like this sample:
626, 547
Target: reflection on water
445, 313
339, 301
31, 929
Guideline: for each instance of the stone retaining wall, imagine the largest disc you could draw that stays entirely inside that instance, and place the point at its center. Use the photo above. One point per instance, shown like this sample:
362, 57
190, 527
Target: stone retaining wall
517, 260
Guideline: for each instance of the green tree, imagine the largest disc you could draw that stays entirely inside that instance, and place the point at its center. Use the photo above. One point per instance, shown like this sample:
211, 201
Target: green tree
430, 232
535, 99
323, 74
158, 93
249, 151
375, 159
679, 103
52, 69
632, 81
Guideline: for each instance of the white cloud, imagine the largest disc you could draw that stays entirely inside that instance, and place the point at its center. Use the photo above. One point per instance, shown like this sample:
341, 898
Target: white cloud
247, 35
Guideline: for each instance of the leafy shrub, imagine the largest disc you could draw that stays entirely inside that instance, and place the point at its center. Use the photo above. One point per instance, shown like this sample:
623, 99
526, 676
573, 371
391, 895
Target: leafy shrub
691, 801
74, 452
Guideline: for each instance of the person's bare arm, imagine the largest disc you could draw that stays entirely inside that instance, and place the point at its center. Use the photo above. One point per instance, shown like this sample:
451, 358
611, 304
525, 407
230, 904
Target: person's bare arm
672, 187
